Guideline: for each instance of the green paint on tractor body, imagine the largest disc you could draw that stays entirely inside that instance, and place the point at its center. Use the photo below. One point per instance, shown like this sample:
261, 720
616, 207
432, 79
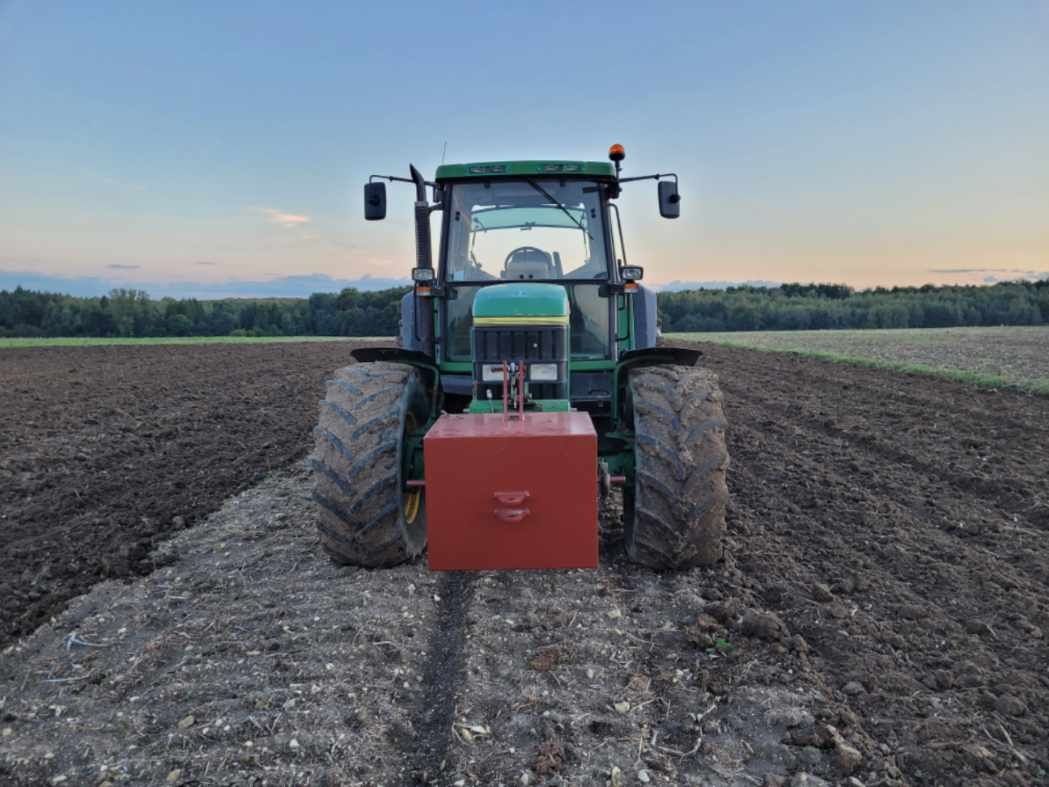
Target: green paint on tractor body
489, 169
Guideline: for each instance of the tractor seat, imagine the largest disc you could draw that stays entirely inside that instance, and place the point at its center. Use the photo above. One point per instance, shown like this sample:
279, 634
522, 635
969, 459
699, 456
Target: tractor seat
529, 264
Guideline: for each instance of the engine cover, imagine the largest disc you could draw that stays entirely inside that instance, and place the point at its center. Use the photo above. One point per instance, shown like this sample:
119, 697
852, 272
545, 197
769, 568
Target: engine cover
511, 492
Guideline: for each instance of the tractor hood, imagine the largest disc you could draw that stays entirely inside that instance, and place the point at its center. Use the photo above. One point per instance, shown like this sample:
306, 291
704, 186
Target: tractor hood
521, 304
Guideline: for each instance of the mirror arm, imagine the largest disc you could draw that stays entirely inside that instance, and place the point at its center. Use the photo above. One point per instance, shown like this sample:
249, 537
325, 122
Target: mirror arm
393, 178
658, 176
433, 207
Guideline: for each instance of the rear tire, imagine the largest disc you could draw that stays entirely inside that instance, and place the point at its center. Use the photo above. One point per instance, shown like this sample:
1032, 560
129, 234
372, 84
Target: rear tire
364, 516
674, 515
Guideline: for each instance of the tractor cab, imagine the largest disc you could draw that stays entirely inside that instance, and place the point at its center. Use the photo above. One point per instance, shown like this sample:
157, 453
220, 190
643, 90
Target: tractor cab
512, 225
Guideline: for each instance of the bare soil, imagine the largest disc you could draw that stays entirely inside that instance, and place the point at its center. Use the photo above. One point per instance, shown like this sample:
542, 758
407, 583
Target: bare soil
879, 618
106, 450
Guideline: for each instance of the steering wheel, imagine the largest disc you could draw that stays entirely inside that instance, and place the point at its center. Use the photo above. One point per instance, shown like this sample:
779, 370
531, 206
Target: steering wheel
520, 249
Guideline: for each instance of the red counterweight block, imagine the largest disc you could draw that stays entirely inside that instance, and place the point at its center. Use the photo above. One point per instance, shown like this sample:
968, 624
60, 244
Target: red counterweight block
511, 492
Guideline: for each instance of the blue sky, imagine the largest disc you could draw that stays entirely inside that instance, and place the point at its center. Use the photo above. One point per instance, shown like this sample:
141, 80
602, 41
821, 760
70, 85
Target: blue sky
871, 143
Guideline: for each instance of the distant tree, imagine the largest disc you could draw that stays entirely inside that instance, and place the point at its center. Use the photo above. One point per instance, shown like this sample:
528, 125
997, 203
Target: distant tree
129, 312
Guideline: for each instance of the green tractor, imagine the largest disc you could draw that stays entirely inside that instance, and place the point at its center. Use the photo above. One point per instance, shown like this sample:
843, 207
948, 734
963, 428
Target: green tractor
526, 385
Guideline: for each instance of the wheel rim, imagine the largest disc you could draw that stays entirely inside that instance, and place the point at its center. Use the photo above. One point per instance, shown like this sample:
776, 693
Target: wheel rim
412, 502
411, 499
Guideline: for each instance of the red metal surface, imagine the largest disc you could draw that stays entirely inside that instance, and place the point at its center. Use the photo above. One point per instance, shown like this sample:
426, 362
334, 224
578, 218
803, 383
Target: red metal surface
509, 493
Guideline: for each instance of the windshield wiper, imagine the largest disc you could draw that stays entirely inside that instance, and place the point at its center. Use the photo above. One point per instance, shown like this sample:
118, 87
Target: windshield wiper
564, 210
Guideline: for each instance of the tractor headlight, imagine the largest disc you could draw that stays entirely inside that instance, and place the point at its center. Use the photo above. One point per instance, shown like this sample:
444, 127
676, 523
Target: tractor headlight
492, 372
543, 372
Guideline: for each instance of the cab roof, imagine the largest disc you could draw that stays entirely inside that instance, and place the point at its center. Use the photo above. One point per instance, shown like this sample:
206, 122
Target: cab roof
488, 169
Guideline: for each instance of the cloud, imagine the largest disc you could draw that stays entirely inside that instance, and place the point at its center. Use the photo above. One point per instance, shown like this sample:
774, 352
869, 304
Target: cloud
1018, 271
283, 219
205, 262
117, 267
1016, 275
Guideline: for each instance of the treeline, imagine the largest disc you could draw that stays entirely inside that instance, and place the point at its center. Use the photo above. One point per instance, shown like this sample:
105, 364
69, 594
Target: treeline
792, 307
134, 313
354, 313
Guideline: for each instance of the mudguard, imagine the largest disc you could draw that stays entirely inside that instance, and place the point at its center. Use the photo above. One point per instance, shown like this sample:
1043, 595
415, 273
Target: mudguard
651, 356
419, 360
648, 356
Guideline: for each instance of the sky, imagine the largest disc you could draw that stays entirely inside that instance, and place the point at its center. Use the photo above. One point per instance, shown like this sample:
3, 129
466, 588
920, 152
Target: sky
867, 143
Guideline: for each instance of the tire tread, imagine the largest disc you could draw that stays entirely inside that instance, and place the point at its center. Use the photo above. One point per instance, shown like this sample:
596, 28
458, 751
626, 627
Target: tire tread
355, 464
675, 515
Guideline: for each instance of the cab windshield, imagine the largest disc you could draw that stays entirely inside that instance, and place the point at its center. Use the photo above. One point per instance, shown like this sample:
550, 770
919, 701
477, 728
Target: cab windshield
525, 230
528, 230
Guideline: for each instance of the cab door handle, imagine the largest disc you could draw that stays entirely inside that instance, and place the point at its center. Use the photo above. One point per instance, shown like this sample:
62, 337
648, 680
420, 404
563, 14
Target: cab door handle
511, 498
511, 515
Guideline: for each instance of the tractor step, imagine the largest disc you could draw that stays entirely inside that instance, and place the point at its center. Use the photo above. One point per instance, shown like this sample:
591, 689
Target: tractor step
511, 491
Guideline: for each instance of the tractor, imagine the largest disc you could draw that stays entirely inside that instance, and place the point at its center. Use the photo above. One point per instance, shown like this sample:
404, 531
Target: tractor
526, 384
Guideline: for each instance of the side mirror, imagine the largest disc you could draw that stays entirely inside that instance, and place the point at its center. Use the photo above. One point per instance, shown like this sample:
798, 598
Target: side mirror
669, 199
375, 200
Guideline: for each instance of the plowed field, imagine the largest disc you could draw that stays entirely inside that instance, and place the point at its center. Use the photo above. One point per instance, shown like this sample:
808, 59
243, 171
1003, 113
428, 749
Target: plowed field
106, 450
880, 615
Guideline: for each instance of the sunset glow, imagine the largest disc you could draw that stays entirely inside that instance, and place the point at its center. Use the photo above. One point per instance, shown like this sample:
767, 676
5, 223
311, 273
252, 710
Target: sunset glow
874, 144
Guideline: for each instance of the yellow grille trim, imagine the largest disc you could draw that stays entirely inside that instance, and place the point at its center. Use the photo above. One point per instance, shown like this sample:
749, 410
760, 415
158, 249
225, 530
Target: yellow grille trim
483, 321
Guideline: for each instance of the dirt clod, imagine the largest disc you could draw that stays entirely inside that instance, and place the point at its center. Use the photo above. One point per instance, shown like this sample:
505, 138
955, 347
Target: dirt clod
1010, 705
549, 757
764, 625
822, 593
545, 660
848, 757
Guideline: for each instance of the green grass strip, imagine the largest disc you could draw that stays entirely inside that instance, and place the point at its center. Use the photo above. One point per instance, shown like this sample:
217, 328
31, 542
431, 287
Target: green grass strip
1039, 386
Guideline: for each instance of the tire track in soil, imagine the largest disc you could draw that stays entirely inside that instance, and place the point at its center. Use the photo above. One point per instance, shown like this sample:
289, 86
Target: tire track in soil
426, 749
573, 674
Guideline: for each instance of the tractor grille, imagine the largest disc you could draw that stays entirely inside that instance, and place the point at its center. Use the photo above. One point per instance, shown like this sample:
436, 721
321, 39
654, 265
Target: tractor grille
547, 344
494, 345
